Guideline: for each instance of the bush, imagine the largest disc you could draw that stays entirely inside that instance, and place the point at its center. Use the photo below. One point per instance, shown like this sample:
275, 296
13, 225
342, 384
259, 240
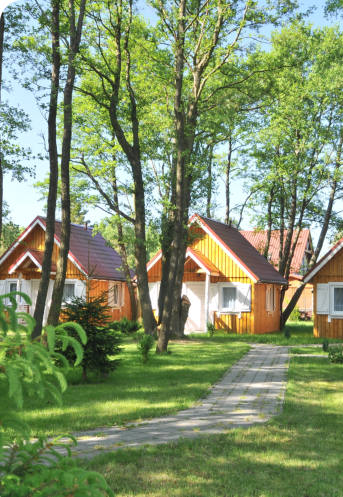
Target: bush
287, 333
335, 355
326, 344
126, 326
210, 328
102, 342
144, 347
27, 468
295, 314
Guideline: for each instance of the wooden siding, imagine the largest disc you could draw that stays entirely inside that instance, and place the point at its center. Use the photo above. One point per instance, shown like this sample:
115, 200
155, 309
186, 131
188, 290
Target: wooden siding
305, 302
331, 272
36, 240
116, 313
255, 322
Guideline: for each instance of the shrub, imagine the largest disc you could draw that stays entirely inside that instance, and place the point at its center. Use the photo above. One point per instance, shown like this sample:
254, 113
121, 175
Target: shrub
287, 333
144, 347
335, 355
126, 326
295, 314
326, 344
27, 468
102, 342
210, 328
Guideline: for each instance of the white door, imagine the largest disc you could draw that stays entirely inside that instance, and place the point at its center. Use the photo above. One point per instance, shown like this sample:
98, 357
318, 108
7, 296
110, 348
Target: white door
196, 317
34, 293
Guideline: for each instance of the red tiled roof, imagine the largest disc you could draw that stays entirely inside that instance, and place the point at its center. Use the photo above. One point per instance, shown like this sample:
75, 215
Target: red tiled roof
251, 261
259, 239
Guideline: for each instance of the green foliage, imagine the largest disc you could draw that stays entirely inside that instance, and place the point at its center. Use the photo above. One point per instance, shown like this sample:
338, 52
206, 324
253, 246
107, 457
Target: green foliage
295, 314
144, 347
210, 328
287, 333
126, 326
37, 469
102, 341
326, 345
335, 355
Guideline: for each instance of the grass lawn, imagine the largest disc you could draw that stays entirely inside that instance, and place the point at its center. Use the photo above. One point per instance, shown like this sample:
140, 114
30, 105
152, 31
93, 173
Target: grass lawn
308, 350
298, 454
133, 392
301, 334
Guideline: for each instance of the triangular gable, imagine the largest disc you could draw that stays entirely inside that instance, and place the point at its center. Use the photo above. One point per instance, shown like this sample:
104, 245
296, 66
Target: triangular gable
224, 247
39, 221
324, 260
31, 255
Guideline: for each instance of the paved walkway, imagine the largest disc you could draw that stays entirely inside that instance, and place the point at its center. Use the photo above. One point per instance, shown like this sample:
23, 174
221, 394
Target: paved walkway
252, 391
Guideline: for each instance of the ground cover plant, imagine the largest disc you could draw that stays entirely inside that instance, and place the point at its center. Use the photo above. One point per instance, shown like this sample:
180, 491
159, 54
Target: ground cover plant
301, 334
134, 392
298, 453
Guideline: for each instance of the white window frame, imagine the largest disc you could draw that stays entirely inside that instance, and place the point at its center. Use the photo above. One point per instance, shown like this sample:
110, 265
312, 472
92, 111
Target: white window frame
332, 286
272, 290
228, 310
69, 282
7, 289
116, 304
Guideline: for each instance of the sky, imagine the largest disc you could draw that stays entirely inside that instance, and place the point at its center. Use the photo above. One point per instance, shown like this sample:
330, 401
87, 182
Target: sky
25, 200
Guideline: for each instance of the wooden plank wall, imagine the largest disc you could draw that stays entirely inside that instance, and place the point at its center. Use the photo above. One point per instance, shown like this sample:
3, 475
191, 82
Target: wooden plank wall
331, 272
258, 320
35, 239
116, 313
306, 299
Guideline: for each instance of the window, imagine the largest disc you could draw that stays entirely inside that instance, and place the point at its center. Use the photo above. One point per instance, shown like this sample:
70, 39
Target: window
270, 298
68, 291
13, 287
338, 299
229, 297
114, 294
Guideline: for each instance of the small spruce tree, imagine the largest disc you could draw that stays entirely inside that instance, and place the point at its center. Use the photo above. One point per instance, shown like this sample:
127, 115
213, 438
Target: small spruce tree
102, 342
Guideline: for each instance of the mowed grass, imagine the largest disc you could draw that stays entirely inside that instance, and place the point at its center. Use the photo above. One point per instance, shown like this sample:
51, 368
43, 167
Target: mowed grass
298, 454
301, 334
308, 350
133, 392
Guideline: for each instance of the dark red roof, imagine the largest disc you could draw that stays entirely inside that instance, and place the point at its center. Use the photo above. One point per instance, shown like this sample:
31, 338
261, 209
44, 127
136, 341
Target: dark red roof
92, 253
259, 239
324, 260
245, 254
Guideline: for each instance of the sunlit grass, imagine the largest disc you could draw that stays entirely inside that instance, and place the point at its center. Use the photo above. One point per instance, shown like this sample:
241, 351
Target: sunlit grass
308, 350
301, 334
133, 392
299, 453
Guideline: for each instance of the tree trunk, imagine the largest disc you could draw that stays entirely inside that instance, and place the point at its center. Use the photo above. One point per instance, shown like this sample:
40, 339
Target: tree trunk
269, 230
209, 188
2, 31
290, 228
293, 302
53, 180
227, 182
75, 38
184, 311
282, 227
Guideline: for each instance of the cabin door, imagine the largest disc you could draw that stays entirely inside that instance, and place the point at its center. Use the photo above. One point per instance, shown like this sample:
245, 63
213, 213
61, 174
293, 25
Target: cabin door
34, 293
196, 317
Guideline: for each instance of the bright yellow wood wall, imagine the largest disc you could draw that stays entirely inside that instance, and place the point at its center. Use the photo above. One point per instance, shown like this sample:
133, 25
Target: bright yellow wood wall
255, 322
331, 272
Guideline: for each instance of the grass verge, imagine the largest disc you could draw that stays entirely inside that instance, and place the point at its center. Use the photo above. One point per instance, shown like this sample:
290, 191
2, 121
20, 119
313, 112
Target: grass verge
168, 383
308, 350
301, 334
297, 454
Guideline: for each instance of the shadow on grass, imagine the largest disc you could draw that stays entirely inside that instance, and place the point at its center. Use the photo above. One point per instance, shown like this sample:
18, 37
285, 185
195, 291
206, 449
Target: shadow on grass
298, 453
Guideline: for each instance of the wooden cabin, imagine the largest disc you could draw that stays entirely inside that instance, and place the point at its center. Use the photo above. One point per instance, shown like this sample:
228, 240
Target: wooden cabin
93, 267
300, 260
327, 279
227, 281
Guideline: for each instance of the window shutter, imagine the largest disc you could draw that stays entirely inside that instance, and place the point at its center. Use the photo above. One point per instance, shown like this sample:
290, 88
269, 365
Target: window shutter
80, 289
322, 298
2, 288
274, 297
214, 294
153, 288
268, 298
122, 300
244, 297
25, 288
